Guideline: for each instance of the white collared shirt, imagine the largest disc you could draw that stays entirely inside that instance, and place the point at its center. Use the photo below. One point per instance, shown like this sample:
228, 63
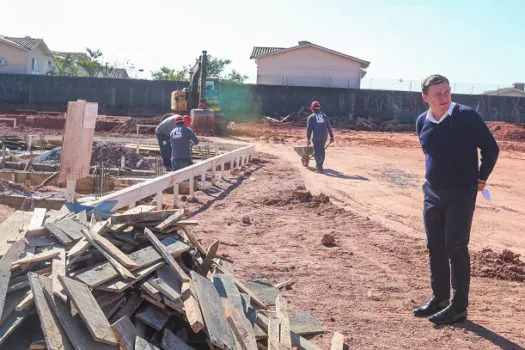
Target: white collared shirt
430, 116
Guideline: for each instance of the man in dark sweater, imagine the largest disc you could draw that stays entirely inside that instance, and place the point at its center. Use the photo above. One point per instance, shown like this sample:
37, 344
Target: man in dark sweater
181, 139
450, 135
162, 132
318, 125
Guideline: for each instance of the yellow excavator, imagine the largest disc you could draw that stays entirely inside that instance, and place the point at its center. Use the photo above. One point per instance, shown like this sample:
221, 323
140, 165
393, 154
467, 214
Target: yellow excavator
201, 100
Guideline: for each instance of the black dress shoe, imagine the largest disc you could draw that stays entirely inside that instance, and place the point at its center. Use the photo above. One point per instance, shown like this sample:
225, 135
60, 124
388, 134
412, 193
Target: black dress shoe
450, 315
432, 307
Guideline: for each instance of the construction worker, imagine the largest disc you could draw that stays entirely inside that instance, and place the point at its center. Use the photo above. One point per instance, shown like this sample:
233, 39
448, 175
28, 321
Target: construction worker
450, 135
182, 139
162, 132
318, 125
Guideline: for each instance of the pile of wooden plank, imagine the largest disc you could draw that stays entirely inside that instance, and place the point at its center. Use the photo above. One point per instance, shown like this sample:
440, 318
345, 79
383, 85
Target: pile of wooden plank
132, 280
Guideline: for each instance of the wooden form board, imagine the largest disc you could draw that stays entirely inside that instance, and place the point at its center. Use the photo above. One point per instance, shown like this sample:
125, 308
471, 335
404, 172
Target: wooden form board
134, 193
77, 141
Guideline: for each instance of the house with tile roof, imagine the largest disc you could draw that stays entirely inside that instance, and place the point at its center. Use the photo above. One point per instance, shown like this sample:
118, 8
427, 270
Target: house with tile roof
308, 64
24, 56
516, 90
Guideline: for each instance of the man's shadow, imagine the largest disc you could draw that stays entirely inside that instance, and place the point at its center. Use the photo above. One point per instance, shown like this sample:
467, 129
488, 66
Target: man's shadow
487, 334
335, 173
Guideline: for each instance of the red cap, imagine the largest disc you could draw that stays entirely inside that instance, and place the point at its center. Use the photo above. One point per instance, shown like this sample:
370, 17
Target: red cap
179, 119
315, 105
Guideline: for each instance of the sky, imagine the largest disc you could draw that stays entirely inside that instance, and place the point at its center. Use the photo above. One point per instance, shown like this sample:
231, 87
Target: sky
469, 41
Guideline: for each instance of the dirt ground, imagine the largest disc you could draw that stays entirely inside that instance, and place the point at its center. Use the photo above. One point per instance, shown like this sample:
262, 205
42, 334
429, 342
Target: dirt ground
270, 222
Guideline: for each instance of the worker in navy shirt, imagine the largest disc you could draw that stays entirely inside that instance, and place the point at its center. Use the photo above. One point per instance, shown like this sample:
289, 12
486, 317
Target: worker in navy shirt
182, 139
319, 126
450, 135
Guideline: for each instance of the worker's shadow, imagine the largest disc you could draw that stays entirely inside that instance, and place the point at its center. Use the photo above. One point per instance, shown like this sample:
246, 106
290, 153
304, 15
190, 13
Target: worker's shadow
335, 173
479, 330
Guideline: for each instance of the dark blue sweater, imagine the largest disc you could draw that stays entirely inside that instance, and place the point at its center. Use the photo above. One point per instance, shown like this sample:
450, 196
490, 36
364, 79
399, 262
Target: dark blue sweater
451, 148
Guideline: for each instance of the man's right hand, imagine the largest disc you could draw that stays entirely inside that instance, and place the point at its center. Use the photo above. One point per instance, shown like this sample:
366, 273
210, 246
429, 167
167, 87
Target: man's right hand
308, 142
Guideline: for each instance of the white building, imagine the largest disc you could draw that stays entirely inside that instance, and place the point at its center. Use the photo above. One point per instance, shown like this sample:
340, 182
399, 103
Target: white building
308, 64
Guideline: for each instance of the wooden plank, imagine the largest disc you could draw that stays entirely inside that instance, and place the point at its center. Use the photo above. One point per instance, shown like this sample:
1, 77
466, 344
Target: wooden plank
193, 240
12, 229
43, 256
11, 302
104, 298
122, 271
297, 340
153, 317
141, 344
158, 215
59, 269
125, 332
171, 342
73, 325
208, 259
6, 262
273, 333
58, 234
78, 249
153, 301
165, 289
338, 341
281, 312
171, 220
138, 209
144, 257
71, 228
110, 310
242, 330
114, 251
25, 303
128, 309
77, 144
243, 288
37, 220
89, 310
150, 290
119, 284
40, 241
38, 345
303, 323
217, 325
11, 324
161, 248
265, 291
55, 336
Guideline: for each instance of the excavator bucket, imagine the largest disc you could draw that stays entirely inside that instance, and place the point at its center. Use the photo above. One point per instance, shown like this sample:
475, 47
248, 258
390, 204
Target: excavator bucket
203, 121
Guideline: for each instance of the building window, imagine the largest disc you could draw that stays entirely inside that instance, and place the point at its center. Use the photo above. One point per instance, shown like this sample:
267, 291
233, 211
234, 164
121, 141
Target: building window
34, 65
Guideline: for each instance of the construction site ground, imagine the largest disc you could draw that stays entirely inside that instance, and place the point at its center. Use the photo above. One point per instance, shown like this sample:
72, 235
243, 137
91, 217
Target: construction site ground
271, 218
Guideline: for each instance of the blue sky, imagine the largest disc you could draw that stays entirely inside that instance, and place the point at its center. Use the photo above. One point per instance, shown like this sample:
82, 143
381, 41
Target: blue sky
469, 41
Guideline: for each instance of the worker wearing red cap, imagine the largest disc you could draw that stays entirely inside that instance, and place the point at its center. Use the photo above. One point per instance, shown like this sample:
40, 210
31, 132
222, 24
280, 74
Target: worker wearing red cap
162, 132
319, 126
181, 138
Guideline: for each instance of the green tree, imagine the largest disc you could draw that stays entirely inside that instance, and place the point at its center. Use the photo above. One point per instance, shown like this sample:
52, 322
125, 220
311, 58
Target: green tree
235, 77
165, 73
65, 66
92, 62
216, 65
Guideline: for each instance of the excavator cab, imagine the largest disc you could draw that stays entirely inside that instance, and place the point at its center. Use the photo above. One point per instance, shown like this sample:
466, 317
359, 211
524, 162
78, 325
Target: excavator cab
212, 93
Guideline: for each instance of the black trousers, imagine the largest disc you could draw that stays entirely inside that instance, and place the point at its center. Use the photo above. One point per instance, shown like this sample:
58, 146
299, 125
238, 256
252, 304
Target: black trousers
319, 152
448, 219
165, 150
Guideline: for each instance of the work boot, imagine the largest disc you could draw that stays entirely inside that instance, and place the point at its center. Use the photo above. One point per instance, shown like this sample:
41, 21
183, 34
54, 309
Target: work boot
450, 315
432, 307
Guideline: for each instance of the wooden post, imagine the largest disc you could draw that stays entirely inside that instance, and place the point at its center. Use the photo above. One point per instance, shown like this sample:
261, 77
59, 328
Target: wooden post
158, 200
203, 176
3, 156
213, 168
122, 162
29, 142
70, 190
138, 145
176, 195
192, 185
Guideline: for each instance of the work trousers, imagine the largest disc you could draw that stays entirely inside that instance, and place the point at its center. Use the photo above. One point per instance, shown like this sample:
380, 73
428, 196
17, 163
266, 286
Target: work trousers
177, 164
448, 217
165, 150
319, 152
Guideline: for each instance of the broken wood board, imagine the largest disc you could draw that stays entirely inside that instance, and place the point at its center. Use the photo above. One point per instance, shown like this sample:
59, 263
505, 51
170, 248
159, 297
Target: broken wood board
171, 342
138, 209
242, 330
58, 234
58, 265
165, 289
297, 340
142, 344
338, 341
40, 241
281, 313
89, 310
11, 302
12, 254
114, 251
125, 332
119, 284
43, 256
303, 323
37, 219
55, 336
71, 228
161, 248
13, 228
131, 305
104, 272
153, 317
77, 143
219, 330
11, 324
265, 291
110, 309
142, 216
171, 220
208, 259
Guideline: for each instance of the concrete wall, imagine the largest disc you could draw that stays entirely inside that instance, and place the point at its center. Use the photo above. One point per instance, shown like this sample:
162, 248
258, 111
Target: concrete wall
16, 59
308, 66
150, 98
